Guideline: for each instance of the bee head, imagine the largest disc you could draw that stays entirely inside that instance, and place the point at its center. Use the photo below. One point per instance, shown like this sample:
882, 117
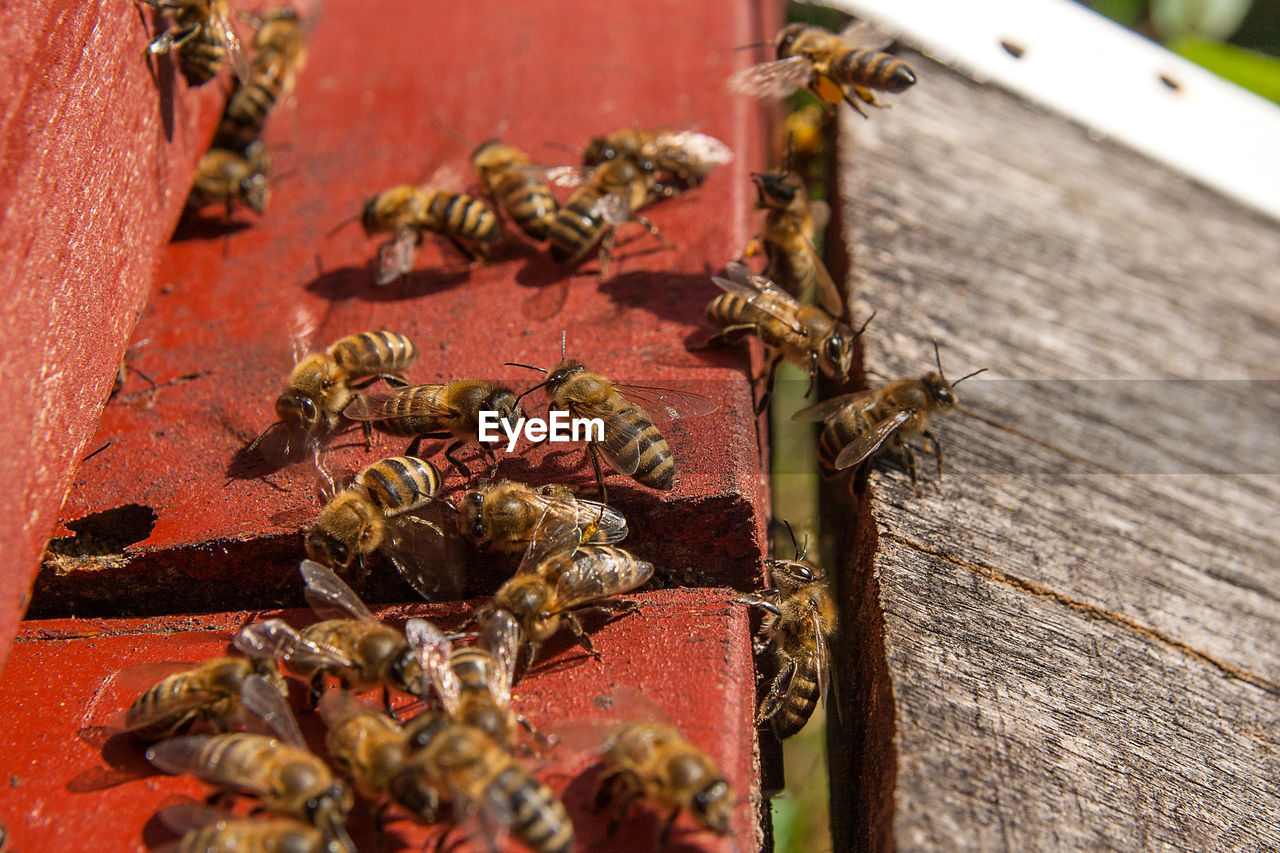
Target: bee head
773, 190
369, 217
792, 574
300, 412
563, 372
425, 728
254, 191
406, 672
491, 154
505, 403
598, 150
940, 391
713, 806
471, 522
837, 353
787, 38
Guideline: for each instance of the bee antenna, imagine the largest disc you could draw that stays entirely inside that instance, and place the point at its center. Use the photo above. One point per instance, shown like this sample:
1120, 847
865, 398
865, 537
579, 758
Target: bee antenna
451, 133
865, 323
562, 146
534, 388
795, 546
753, 45
343, 224
525, 366
937, 357
967, 375
95, 453
261, 436
563, 335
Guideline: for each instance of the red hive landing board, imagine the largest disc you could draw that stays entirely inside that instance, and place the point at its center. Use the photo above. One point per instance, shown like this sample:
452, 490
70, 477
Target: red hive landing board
185, 522
686, 651
95, 151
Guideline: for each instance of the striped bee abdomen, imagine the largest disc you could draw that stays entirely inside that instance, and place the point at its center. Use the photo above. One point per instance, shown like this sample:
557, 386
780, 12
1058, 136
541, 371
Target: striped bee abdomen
401, 483
370, 353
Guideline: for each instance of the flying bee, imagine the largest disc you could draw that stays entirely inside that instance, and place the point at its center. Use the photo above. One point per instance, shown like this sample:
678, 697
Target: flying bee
375, 514
407, 213
808, 335
287, 778
202, 31
687, 157
504, 515
435, 411
834, 67
801, 619
790, 224
228, 177
348, 644
471, 770
204, 828
654, 761
606, 197
321, 385
631, 444
557, 576
209, 691
859, 424
517, 186
278, 57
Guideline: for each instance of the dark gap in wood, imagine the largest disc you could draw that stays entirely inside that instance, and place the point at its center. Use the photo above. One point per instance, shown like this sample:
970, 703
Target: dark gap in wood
861, 760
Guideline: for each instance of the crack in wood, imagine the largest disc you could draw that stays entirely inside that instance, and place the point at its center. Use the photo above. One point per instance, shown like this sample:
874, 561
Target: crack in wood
1090, 611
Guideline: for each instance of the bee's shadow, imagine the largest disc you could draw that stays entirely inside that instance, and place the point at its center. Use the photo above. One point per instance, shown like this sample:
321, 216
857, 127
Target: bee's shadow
344, 283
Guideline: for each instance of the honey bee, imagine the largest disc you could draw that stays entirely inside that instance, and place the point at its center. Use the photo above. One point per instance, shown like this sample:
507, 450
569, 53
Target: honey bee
517, 186
374, 514
557, 576
834, 67
632, 445
205, 828
407, 212
808, 335
203, 31
279, 55
859, 424
227, 177
349, 644
287, 777
435, 411
801, 620
504, 515
787, 238
209, 691
687, 157
606, 197
370, 749
471, 770
654, 761
320, 386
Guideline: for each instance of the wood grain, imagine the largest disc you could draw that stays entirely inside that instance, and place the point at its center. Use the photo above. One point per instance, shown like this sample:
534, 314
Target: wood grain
1081, 637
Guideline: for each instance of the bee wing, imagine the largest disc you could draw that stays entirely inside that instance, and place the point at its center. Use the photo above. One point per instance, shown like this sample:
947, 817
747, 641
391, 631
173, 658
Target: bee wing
862, 401
762, 294
501, 637
236, 56
866, 35
329, 595
275, 639
594, 576
181, 755
696, 148
775, 79
423, 555
601, 524
434, 649
554, 534
614, 209
668, 404
823, 653
180, 817
262, 699
827, 291
384, 404
568, 176
338, 707
869, 442
395, 258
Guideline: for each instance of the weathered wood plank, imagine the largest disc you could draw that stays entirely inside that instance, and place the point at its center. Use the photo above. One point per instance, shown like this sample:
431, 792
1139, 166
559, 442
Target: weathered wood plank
1081, 643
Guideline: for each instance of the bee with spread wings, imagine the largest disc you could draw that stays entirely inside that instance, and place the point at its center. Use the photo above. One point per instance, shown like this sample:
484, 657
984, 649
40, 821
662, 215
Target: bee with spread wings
349, 643
632, 444
806, 334
834, 67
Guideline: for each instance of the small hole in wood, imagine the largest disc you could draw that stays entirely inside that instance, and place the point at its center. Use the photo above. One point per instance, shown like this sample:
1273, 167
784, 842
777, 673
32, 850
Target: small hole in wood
1013, 49
1170, 82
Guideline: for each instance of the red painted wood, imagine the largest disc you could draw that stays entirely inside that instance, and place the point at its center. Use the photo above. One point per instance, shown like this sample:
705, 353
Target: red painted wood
688, 651
97, 152
373, 108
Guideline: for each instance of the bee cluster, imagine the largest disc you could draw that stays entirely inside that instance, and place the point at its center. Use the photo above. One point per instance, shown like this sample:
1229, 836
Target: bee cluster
458, 757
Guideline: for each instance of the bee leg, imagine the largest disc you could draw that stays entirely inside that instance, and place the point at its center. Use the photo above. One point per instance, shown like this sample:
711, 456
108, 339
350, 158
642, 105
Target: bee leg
317, 688
780, 687
728, 335
606, 247
595, 463
857, 108
813, 373
665, 835
458, 464
367, 429
653, 229
768, 386
581, 634
386, 703
909, 457
751, 248
937, 450
414, 446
